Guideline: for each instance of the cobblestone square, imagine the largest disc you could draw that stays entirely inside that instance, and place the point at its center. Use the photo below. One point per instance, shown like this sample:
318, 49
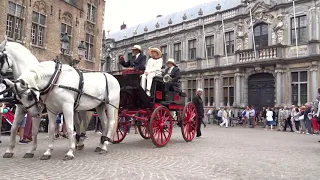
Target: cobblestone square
223, 154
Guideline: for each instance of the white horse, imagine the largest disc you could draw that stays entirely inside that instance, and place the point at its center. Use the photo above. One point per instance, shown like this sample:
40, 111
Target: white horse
15, 56
62, 97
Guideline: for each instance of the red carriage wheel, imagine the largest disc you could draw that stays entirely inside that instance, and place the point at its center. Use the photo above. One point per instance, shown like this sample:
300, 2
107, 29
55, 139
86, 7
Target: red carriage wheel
161, 126
122, 129
144, 130
125, 99
189, 122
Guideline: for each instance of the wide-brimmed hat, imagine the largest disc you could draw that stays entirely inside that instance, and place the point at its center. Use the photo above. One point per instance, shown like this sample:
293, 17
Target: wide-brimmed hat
136, 47
172, 61
199, 90
155, 50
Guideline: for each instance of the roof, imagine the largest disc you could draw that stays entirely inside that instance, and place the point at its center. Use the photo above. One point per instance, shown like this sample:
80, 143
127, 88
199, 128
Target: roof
192, 14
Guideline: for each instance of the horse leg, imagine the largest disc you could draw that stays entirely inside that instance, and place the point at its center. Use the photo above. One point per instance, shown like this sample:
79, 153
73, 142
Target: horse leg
35, 130
79, 143
69, 124
104, 141
18, 118
112, 113
51, 129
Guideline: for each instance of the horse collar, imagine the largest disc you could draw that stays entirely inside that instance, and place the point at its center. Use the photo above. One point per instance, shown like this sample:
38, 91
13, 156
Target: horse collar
54, 78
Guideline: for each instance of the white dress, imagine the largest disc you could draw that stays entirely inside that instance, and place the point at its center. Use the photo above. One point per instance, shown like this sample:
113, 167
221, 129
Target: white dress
153, 68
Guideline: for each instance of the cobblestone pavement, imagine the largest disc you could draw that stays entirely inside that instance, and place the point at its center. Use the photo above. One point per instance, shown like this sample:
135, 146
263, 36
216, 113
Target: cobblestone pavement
223, 154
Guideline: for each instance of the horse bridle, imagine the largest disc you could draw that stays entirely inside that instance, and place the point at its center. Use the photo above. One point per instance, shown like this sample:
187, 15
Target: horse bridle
40, 103
4, 59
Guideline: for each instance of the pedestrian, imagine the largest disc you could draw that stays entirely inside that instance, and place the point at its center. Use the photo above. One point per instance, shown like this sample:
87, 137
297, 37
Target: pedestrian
21, 126
224, 118
197, 101
296, 120
301, 120
264, 116
58, 123
269, 118
288, 120
219, 116
307, 118
252, 114
28, 129
209, 113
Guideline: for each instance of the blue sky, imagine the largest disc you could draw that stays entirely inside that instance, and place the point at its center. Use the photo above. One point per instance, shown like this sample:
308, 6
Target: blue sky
133, 12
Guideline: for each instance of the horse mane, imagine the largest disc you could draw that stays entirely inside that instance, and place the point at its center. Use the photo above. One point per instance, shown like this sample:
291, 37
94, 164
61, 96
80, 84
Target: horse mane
38, 73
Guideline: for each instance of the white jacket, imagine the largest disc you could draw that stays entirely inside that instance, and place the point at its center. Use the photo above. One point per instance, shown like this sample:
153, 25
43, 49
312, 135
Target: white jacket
154, 65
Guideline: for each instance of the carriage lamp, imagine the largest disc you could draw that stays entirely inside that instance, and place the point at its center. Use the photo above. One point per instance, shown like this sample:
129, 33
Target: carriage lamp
82, 49
65, 40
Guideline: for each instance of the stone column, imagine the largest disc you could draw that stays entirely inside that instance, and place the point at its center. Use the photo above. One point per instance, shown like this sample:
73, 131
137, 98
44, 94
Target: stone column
238, 90
278, 87
314, 81
217, 91
243, 88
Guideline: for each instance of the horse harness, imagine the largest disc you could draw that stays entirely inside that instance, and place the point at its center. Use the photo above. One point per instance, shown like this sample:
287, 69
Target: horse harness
4, 59
52, 83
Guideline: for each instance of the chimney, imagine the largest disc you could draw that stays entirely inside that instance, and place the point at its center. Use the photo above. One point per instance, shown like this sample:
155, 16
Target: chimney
159, 16
123, 26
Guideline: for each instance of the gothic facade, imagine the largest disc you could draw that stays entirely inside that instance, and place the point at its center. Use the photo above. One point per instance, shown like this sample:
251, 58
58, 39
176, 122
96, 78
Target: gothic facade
266, 61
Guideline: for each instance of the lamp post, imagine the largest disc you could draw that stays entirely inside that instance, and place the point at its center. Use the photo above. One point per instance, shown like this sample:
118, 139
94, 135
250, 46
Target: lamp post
65, 42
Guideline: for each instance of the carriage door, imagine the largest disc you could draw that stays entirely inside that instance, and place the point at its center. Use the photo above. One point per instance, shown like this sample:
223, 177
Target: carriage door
261, 90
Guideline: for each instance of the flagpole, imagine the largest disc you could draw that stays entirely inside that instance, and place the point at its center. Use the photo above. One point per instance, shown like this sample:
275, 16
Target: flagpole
253, 40
224, 39
205, 44
295, 26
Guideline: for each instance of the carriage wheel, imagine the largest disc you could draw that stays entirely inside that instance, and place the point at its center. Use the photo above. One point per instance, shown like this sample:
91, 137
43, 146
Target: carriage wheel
189, 122
144, 130
125, 99
161, 126
122, 129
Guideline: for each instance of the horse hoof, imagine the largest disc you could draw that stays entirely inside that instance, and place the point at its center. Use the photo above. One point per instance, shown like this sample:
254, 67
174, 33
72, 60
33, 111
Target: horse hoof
7, 155
45, 157
98, 149
80, 147
28, 155
103, 151
67, 158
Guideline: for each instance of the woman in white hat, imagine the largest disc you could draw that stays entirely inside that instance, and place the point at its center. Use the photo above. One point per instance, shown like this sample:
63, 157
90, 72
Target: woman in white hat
153, 68
174, 73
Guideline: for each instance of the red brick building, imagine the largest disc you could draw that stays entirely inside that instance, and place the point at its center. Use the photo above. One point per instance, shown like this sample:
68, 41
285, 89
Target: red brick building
40, 24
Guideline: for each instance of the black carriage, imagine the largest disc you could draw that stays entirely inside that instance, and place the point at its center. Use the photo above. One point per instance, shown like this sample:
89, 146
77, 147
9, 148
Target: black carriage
155, 116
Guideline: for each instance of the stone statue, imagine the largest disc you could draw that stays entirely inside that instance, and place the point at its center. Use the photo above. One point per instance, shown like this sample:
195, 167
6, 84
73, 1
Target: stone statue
240, 36
278, 31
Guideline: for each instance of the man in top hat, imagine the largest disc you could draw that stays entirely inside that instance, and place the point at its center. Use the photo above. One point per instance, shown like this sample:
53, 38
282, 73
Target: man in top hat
153, 68
174, 73
139, 60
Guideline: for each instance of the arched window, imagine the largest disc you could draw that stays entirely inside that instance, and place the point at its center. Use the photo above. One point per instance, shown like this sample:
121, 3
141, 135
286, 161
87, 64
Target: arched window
261, 35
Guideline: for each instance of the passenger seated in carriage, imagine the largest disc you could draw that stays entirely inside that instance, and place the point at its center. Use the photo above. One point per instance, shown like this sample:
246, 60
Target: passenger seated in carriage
153, 69
138, 62
172, 76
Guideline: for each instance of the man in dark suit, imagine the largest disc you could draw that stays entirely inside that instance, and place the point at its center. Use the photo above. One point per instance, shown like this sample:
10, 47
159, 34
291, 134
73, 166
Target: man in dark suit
174, 73
138, 62
197, 101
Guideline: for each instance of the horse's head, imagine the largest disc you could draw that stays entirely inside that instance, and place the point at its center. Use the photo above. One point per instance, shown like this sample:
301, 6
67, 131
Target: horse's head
4, 60
28, 96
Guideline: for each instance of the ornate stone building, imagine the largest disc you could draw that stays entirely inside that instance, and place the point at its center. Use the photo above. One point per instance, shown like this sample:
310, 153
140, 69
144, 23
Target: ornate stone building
40, 24
270, 70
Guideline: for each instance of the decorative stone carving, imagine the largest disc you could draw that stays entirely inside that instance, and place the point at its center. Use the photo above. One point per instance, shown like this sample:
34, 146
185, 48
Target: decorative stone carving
145, 29
170, 21
157, 25
184, 17
67, 18
260, 17
40, 6
278, 31
241, 36
89, 27
200, 13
